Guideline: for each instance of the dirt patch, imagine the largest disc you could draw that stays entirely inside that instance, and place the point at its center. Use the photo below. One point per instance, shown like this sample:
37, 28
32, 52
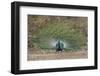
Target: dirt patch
41, 55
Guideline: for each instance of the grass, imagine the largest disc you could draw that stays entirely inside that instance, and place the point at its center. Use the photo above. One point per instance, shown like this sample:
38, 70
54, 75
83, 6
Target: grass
70, 30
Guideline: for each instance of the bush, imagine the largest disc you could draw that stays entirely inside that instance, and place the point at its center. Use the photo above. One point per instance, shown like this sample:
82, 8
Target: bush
63, 31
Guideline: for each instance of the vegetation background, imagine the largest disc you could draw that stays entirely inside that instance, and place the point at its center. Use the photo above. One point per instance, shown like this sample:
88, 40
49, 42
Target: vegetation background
44, 31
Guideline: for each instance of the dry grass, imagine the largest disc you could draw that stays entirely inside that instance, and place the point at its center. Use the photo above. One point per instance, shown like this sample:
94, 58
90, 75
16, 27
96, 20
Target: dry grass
52, 55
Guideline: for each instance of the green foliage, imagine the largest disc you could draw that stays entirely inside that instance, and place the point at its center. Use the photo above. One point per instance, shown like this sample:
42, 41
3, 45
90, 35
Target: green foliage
66, 30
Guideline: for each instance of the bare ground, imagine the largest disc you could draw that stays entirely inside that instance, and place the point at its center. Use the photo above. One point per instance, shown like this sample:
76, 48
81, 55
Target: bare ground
42, 55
